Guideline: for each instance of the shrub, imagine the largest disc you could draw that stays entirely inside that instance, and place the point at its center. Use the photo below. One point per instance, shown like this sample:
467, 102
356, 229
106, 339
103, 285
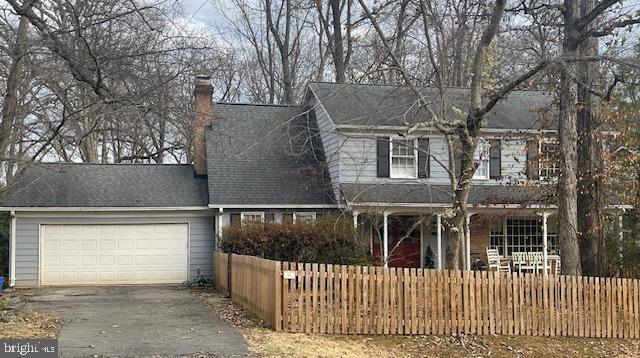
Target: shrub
324, 241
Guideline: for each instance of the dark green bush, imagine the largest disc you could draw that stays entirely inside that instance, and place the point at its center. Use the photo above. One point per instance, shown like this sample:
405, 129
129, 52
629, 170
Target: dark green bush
324, 241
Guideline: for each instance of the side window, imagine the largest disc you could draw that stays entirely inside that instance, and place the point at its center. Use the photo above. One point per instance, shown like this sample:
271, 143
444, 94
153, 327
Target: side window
549, 158
403, 158
304, 216
481, 156
252, 216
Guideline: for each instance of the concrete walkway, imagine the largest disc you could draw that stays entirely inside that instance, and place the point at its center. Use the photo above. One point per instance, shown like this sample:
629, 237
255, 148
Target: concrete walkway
136, 321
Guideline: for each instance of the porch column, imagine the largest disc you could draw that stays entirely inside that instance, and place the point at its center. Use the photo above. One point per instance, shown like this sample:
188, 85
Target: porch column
219, 223
439, 240
422, 241
385, 238
545, 244
12, 250
621, 239
467, 235
355, 219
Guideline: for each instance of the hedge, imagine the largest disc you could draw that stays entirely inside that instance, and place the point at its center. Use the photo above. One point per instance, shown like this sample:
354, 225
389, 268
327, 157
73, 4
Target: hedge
326, 241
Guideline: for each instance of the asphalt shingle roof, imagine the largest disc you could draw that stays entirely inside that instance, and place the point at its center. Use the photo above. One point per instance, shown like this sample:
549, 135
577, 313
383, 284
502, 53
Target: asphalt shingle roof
265, 154
105, 185
440, 194
376, 105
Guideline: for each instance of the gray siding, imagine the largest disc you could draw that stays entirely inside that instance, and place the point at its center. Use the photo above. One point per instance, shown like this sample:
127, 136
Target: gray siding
358, 161
201, 242
331, 143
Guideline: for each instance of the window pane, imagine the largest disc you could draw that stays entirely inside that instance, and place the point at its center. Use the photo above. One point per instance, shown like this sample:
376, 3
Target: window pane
481, 156
402, 147
402, 158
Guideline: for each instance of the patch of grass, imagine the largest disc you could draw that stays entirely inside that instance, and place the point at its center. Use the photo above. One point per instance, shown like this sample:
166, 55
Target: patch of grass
5, 304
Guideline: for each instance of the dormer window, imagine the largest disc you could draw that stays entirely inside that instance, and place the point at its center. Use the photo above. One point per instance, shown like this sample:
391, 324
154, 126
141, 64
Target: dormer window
482, 157
403, 158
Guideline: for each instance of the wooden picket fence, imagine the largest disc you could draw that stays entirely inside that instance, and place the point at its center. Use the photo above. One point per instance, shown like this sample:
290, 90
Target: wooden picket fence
338, 299
252, 282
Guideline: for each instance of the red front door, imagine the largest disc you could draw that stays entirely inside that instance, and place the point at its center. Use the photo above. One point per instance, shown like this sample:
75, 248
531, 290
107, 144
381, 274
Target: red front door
406, 253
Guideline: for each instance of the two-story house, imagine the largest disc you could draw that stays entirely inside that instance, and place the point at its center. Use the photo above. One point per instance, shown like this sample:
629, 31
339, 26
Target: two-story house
349, 148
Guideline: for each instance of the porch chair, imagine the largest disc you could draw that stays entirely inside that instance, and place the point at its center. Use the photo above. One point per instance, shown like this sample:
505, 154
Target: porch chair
558, 266
494, 262
521, 261
536, 260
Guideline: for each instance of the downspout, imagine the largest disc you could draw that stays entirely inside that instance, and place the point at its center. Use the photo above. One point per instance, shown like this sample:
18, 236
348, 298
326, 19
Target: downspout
12, 250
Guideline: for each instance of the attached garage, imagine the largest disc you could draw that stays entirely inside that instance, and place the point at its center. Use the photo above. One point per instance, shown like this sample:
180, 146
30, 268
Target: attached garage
108, 224
104, 254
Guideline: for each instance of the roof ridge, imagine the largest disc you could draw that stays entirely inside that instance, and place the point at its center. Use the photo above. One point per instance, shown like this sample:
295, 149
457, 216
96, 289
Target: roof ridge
259, 104
113, 164
405, 86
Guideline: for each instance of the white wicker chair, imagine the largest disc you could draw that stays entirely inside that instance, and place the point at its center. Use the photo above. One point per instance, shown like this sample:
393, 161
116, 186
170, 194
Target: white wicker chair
536, 260
521, 261
494, 261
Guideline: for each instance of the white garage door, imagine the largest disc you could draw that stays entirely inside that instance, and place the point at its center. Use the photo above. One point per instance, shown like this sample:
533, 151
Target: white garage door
113, 254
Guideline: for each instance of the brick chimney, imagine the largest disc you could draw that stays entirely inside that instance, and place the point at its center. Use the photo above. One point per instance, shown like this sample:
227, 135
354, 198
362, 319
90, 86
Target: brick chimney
203, 114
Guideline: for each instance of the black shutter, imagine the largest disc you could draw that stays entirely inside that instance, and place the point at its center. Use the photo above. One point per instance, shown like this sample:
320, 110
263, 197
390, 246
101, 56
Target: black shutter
382, 148
424, 159
235, 219
533, 165
495, 161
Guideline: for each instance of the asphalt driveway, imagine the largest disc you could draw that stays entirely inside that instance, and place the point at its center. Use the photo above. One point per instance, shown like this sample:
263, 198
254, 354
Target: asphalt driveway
136, 321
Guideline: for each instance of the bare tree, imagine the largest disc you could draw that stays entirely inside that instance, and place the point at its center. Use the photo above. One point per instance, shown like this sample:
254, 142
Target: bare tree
463, 132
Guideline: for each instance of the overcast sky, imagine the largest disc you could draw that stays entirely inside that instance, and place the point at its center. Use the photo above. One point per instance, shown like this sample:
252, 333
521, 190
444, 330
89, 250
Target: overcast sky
201, 11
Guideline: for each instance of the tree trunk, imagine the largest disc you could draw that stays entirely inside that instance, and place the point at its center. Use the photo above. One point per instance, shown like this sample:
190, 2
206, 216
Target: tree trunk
590, 159
568, 137
338, 50
455, 254
10, 103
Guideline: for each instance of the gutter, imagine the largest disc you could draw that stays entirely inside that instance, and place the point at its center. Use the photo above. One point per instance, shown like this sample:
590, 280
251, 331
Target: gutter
90, 208
273, 206
12, 250
358, 129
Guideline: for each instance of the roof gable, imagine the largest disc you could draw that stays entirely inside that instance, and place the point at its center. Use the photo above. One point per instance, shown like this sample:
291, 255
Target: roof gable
265, 155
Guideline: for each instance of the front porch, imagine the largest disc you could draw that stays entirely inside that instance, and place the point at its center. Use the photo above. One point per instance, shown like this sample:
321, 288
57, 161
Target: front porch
403, 237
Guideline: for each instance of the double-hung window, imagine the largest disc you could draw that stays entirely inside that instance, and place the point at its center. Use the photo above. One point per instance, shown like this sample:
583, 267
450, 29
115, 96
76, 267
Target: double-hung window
403, 158
252, 216
481, 156
300, 217
549, 159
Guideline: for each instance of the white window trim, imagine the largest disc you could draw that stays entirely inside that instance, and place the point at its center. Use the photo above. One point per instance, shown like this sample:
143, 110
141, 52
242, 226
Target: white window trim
312, 213
551, 235
415, 158
251, 213
482, 141
541, 163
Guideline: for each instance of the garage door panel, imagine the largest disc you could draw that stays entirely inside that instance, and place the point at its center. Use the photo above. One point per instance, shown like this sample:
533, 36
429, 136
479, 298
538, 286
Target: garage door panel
114, 254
